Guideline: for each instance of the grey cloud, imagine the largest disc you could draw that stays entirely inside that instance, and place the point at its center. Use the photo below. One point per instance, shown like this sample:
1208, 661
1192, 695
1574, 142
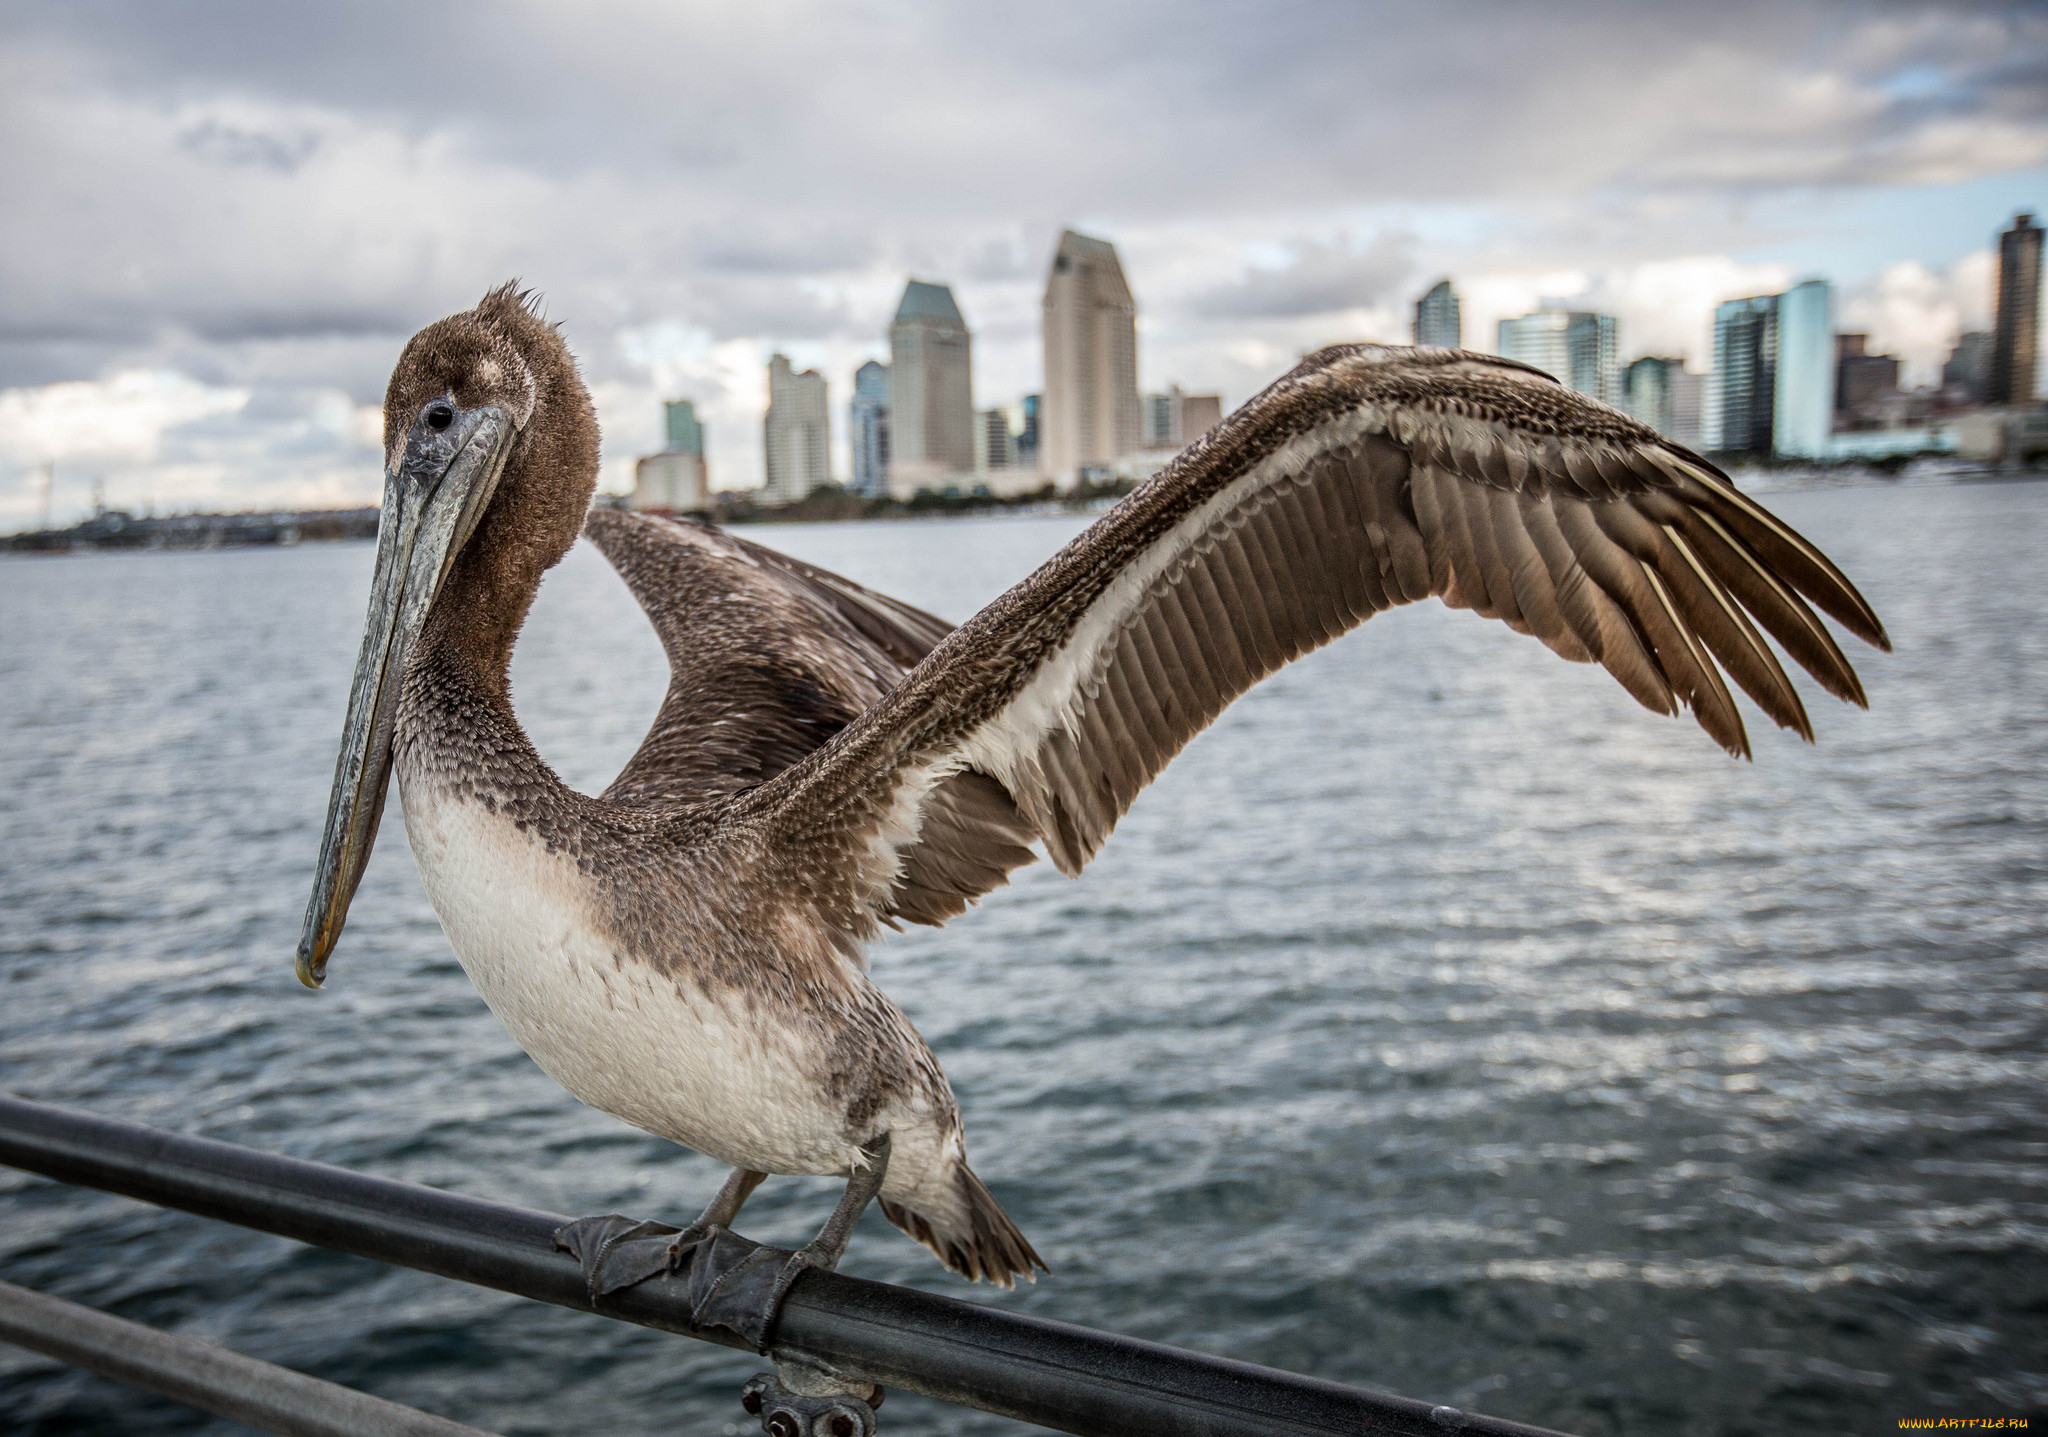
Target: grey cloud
261, 193
797, 253
230, 145
1322, 279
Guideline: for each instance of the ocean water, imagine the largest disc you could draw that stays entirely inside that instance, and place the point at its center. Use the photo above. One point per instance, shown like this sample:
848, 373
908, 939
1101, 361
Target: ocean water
1440, 1022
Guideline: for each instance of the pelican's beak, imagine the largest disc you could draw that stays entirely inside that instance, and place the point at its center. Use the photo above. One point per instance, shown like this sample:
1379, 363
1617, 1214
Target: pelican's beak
432, 501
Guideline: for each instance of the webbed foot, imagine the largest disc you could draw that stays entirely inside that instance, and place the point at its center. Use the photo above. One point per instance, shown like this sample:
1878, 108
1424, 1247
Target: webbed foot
729, 1281
618, 1252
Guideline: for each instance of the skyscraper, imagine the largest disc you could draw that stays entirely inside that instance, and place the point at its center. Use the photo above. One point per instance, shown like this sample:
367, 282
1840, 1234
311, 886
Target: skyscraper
1686, 391
1576, 346
1968, 370
1649, 390
1665, 395
868, 429
1025, 446
2016, 314
1091, 410
1160, 427
1803, 389
685, 432
675, 479
1438, 319
992, 440
931, 387
796, 433
1743, 385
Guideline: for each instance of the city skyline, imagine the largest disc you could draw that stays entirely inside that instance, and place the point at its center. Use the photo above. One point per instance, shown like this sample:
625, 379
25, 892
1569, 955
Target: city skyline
290, 213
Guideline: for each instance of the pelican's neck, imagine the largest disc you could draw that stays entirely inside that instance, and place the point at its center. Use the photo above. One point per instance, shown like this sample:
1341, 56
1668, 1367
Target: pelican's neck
456, 728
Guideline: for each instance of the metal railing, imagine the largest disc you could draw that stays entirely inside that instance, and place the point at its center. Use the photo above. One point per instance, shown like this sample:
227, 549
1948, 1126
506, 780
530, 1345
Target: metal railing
201, 1375
1054, 1374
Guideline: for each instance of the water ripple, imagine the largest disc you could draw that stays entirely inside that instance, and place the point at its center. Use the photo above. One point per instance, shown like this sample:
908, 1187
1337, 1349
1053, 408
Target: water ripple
1440, 1022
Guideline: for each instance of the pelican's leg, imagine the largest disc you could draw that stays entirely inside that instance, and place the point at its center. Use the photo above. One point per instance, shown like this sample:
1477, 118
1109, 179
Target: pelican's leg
747, 1296
802, 1395
721, 1210
735, 1284
618, 1251
826, 1248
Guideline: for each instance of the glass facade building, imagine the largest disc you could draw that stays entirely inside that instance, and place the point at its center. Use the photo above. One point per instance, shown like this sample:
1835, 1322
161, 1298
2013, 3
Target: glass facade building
1803, 389
1649, 390
685, 431
1026, 445
1437, 317
1577, 346
1742, 389
2017, 315
868, 429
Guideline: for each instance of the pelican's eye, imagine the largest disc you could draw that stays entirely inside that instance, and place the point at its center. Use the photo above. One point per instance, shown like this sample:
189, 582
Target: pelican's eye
440, 417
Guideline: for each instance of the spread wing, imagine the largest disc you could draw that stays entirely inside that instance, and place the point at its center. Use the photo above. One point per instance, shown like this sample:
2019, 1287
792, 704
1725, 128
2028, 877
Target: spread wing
769, 657
1368, 477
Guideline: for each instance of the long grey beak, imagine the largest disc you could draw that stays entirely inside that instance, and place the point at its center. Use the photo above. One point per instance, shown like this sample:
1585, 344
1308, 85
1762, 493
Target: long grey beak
432, 502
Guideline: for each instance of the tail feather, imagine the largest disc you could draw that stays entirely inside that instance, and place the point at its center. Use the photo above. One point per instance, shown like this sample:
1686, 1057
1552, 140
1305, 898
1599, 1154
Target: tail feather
977, 1240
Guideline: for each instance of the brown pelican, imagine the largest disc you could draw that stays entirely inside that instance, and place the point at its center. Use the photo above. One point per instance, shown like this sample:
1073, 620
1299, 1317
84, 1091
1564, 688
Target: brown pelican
684, 951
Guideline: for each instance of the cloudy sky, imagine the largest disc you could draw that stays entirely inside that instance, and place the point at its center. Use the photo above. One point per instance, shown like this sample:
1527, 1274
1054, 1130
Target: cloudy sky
222, 220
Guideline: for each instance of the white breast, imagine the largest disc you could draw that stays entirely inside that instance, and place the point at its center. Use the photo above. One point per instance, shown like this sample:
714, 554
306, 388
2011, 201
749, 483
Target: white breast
705, 1069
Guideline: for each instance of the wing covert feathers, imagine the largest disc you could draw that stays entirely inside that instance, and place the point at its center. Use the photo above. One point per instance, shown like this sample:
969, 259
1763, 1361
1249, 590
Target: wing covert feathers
1368, 477
769, 657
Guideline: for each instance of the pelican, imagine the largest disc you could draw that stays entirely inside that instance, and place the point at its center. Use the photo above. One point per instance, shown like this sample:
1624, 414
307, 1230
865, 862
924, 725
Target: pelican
685, 950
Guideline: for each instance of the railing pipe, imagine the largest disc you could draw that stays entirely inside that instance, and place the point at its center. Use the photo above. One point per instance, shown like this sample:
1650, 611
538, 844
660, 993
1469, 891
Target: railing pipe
210, 1378
1069, 1378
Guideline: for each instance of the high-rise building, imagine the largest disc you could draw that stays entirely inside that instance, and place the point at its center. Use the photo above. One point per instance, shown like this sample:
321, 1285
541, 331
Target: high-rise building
1803, 389
992, 440
868, 429
796, 433
671, 481
685, 432
1199, 413
1438, 319
1742, 386
2016, 314
675, 479
931, 387
1159, 425
1968, 370
1649, 389
1665, 395
1687, 391
1091, 413
1576, 346
1861, 379
1174, 420
1025, 445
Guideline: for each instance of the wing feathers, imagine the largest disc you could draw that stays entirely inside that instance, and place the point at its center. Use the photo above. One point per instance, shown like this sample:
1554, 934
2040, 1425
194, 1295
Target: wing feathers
1780, 610
1709, 613
1748, 657
1365, 479
1808, 570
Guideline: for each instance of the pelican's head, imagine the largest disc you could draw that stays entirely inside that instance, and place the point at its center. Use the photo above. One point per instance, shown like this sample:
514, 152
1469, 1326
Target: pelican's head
490, 457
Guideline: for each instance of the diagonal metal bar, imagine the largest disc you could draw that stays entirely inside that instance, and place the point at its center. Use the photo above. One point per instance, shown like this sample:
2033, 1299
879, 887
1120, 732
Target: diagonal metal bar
1073, 1379
210, 1378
